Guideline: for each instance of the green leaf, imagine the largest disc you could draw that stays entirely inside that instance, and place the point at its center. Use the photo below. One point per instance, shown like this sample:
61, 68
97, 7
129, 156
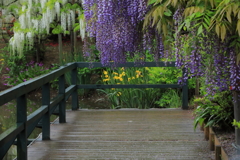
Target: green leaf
151, 2
238, 58
57, 30
200, 30
168, 13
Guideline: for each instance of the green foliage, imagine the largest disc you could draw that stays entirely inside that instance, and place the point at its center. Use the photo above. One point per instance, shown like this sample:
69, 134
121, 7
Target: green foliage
113, 98
84, 74
236, 124
131, 97
170, 99
164, 75
20, 71
56, 28
217, 112
167, 75
201, 21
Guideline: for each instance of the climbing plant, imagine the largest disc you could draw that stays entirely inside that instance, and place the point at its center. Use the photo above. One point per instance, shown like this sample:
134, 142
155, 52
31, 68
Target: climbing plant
38, 18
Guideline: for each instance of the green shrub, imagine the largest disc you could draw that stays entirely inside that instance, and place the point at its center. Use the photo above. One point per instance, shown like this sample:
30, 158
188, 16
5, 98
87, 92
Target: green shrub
170, 98
215, 112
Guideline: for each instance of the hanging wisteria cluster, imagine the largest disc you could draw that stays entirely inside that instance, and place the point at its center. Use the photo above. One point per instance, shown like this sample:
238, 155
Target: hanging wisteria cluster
35, 19
117, 27
207, 56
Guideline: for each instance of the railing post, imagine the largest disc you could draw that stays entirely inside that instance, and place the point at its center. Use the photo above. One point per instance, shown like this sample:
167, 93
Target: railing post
184, 90
62, 105
75, 103
236, 101
46, 117
21, 119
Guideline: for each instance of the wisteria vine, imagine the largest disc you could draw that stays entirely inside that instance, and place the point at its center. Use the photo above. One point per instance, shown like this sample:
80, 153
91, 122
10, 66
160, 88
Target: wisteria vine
117, 27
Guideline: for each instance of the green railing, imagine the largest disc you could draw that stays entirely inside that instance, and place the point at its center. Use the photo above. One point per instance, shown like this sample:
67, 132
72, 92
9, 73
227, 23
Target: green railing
19, 133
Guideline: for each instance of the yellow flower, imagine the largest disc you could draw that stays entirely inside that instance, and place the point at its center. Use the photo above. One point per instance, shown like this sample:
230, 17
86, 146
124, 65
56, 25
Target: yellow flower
105, 72
138, 72
133, 77
123, 74
115, 73
112, 88
137, 76
118, 83
120, 79
129, 79
115, 77
122, 68
104, 80
1, 59
106, 76
119, 94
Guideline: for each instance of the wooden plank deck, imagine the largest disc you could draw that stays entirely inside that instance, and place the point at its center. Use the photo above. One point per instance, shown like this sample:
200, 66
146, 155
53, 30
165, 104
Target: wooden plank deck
163, 134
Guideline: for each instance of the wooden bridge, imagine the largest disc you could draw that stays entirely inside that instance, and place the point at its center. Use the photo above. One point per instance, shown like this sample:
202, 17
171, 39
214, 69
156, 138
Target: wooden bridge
150, 134
161, 134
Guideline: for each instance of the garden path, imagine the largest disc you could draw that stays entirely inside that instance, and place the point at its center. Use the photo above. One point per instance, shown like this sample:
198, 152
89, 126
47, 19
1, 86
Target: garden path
164, 134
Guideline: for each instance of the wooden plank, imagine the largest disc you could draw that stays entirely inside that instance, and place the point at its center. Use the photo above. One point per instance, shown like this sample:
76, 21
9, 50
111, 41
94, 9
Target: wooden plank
69, 91
206, 132
10, 133
75, 103
22, 118
123, 134
62, 104
34, 118
211, 142
56, 100
46, 116
4, 149
36, 114
218, 152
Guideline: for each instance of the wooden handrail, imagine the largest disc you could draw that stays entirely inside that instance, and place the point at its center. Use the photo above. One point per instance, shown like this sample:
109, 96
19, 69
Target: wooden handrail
26, 124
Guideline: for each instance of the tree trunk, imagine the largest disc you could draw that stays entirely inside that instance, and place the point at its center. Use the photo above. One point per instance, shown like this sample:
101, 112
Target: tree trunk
72, 41
197, 87
75, 41
60, 50
38, 50
73, 37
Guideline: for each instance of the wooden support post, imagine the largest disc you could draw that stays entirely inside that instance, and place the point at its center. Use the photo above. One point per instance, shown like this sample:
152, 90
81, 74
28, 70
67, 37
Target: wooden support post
46, 118
75, 103
62, 105
217, 152
211, 141
206, 132
184, 91
21, 119
236, 99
